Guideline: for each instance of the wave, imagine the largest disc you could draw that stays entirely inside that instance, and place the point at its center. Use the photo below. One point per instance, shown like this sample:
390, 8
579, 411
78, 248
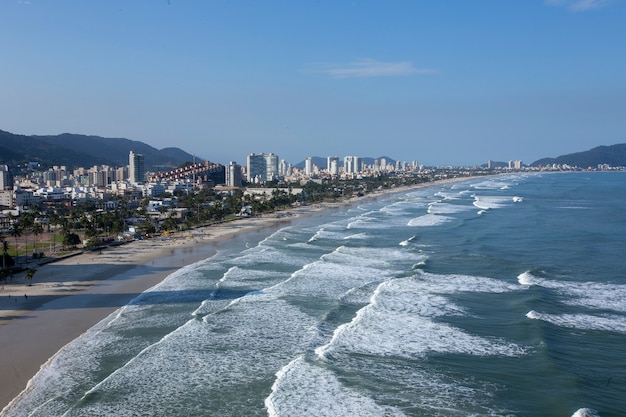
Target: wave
527, 278
429, 220
398, 321
357, 236
302, 388
609, 323
447, 208
494, 202
491, 185
595, 295
586, 412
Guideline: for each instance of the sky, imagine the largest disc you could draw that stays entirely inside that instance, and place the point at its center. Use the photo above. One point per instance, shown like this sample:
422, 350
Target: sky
454, 82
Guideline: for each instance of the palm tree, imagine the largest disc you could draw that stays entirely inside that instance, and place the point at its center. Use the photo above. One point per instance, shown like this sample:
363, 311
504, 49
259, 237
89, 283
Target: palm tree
37, 230
27, 221
5, 250
16, 231
29, 275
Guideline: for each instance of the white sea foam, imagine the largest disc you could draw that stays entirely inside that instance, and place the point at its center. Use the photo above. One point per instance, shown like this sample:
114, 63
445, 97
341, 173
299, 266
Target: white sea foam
404, 206
595, 295
302, 388
328, 234
357, 236
447, 208
259, 333
492, 202
238, 277
408, 241
491, 185
356, 224
398, 321
330, 231
269, 255
527, 278
608, 323
383, 259
455, 283
429, 220
586, 412
532, 314
448, 195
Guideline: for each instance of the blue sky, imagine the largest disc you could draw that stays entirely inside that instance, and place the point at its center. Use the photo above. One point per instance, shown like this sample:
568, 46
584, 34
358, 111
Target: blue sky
453, 82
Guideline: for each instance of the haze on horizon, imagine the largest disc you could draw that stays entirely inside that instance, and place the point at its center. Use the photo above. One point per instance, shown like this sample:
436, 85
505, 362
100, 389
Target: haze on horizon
453, 82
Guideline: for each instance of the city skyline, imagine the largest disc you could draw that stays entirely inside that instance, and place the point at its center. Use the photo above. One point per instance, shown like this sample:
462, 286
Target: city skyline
451, 83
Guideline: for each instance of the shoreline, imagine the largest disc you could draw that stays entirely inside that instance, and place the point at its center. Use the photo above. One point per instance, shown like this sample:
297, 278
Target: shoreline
71, 295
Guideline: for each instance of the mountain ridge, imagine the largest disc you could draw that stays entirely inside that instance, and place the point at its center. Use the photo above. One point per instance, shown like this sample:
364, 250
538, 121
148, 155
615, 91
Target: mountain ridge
75, 150
613, 155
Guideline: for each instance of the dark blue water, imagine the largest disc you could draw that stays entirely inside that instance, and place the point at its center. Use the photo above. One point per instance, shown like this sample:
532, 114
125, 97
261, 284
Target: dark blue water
500, 296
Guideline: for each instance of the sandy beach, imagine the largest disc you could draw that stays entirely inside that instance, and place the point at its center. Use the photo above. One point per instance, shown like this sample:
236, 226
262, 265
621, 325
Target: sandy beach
69, 296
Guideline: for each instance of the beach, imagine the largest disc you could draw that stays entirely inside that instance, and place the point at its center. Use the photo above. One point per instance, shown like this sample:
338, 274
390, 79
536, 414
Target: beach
69, 296
477, 297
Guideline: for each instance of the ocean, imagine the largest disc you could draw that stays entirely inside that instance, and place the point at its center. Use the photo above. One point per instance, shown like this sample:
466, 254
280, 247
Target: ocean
494, 296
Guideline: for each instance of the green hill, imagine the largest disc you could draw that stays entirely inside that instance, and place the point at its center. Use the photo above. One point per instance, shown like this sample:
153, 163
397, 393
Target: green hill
614, 155
74, 150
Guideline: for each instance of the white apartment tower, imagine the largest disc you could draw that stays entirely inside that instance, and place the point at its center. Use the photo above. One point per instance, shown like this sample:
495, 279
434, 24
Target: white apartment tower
308, 166
233, 175
136, 170
283, 168
348, 164
272, 167
332, 165
6, 179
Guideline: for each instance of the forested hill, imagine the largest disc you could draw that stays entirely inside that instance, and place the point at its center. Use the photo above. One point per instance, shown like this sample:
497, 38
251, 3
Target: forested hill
614, 155
73, 150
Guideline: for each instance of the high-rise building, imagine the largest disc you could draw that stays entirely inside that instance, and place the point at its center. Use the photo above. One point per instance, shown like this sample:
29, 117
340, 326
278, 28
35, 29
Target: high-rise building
272, 167
136, 171
233, 175
121, 174
256, 167
308, 166
332, 165
6, 179
283, 168
352, 164
348, 164
262, 167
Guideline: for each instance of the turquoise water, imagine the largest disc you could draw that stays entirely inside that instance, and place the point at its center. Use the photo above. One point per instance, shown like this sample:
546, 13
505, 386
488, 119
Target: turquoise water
500, 296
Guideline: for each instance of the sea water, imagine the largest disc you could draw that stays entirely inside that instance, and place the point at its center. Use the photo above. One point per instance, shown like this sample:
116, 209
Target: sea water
497, 296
